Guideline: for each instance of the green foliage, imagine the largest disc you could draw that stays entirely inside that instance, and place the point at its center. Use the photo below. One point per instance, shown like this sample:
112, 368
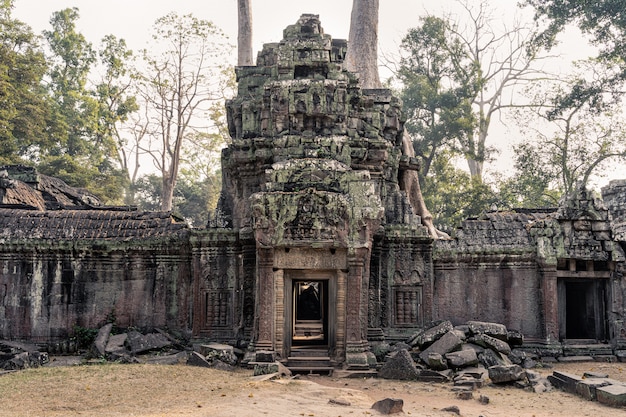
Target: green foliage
439, 83
452, 195
24, 107
84, 336
604, 22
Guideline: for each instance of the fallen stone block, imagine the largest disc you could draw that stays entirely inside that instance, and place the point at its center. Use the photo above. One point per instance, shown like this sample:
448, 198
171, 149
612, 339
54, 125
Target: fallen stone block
587, 387
271, 368
101, 340
564, 381
429, 336
515, 338
427, 375
196, 359
464, 395
491, 358
25, 360
449, 342
612, 395
503, 374
462, 358
218, 351
139, 343
452, 409
490, 342
389, 406
399, 365
116, 343
436, 361
499, 331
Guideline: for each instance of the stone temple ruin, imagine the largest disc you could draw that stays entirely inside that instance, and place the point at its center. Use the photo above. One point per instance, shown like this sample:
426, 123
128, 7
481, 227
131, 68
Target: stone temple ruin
314, 250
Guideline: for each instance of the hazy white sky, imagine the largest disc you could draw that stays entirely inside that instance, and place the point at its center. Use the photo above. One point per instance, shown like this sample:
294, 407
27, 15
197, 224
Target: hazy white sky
133, 19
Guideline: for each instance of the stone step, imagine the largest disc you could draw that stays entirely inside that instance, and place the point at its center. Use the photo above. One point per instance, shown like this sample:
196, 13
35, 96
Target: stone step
309, 353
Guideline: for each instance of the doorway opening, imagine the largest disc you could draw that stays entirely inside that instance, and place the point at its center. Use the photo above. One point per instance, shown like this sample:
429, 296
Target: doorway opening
582, 309
310, 312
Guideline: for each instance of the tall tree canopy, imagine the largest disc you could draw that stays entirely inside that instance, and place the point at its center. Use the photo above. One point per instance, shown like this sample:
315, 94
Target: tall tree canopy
178, 87
24, 107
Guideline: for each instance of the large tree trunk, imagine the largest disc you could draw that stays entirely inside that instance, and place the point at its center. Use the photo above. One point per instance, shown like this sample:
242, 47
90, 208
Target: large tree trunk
244, 33
362, 57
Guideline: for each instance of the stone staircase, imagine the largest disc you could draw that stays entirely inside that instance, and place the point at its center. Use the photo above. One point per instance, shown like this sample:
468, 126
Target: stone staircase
309, 359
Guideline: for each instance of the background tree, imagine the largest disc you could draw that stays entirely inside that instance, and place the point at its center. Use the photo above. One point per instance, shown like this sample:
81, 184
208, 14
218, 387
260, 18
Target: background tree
24, 105
438, 85
603, 22
573, 138
458, 76
177, 88
83, 154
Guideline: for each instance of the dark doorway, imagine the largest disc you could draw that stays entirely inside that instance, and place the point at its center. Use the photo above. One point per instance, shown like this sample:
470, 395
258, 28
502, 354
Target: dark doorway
583, 309
310, 311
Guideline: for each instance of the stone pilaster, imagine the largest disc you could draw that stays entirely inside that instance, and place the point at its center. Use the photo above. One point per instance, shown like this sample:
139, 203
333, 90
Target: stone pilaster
265, 299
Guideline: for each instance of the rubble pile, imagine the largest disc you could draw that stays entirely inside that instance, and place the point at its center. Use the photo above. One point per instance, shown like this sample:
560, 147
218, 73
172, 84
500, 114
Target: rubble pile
15, 356
469, 355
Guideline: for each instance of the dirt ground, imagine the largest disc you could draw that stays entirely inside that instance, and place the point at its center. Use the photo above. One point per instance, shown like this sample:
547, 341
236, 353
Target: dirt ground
180, 390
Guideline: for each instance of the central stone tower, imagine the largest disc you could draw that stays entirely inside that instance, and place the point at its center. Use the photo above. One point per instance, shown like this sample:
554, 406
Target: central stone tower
311, 198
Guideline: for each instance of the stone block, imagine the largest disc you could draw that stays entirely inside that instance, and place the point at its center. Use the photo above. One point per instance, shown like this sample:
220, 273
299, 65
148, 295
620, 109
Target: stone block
196, 359
499, 331
428, 375
100, 342
436, 361
217, 351
116, 343
502, 374
447, 343
140, 343
462, 358
564, 381
588, 386
389, 406
399, 365
490, 342
490, 358
612, 395
429, 336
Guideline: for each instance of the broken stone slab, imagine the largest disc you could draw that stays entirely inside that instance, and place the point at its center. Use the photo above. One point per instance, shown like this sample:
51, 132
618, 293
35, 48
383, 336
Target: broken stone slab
449, 342
462, 358
452, 409
612, 395
428, 375
564, 381
100, 342
389, 406
116, 343
436, 361
271, 368
25, 360
399, 365
218, 351
500, 374
491, 343
196, 359
589, 374
429, 336
173, 359
587, 387
499, 331
139, 343
491, 358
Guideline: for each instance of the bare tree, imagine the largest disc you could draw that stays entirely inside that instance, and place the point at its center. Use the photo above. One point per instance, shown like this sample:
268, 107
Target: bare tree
179, 86
362, 57
504, 58
244, 33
